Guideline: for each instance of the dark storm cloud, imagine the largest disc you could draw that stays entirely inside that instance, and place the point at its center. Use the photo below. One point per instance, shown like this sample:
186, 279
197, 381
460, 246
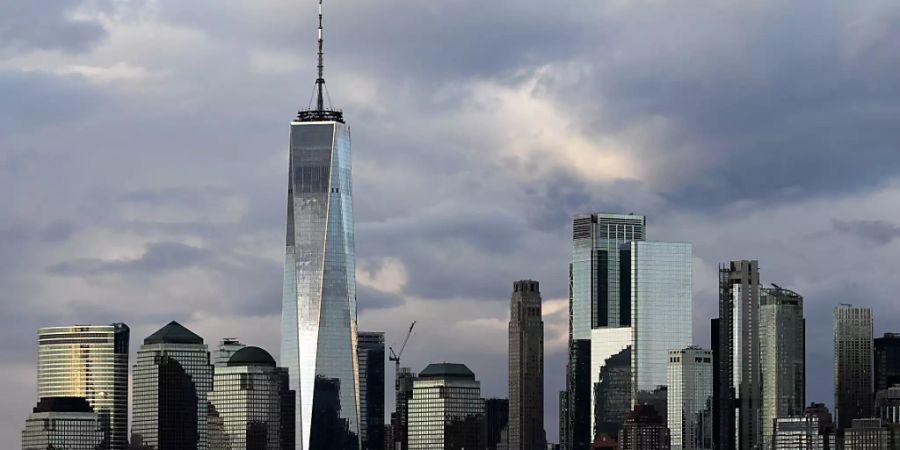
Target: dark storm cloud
370, 298
877, 231
46, 25
159, 257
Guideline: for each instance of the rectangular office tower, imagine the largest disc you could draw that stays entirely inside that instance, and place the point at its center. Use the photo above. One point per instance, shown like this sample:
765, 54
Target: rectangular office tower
446, 411
887, 361
737, 396
172, 377
631, 300
371, 389
526, 368
88, 361
782, 356
63, 423
852, 365
689, 402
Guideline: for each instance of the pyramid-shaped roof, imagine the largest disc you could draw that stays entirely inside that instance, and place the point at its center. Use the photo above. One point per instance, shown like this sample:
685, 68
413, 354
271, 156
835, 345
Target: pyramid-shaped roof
173, 333
446, 370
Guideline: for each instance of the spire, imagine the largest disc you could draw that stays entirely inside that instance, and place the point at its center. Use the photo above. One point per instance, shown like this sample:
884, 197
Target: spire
319, 112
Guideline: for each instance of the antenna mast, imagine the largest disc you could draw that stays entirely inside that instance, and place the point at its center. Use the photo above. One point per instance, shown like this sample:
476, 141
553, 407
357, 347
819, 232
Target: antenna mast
320, 81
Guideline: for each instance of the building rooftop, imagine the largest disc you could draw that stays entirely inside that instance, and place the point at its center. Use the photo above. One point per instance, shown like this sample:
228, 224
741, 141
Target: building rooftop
173, 333
251, 356
63, 404
446, 370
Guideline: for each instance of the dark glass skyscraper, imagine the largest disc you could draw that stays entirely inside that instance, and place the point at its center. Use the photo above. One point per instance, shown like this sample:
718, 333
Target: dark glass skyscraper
371, 389
526, 368
172, 376
496, 420
887, 361
88, 361
853, 393
318, 328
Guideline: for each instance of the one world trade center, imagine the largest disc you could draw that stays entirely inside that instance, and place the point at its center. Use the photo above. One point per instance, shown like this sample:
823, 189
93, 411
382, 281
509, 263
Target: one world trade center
318, 324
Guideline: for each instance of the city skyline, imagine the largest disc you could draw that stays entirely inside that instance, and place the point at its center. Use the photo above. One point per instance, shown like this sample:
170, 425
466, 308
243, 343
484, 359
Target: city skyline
145, 185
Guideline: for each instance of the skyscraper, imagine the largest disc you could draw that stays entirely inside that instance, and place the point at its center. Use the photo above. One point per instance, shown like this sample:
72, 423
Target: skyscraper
690, 398
887, 361
63, 423
782, 355
251, 404
564, 420
446, 411
88, 361
526, 368
227, 347
644, 429
400, 416
737, 394
496, 420
318, 328
631, 300
172, 376
852, 365
371, 389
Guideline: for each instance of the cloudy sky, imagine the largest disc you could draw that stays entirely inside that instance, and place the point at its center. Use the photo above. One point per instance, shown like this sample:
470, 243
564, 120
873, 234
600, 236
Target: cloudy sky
143, 160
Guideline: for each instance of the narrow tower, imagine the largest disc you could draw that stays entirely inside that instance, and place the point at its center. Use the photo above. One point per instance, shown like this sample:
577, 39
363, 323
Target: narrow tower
318, 327
526, 368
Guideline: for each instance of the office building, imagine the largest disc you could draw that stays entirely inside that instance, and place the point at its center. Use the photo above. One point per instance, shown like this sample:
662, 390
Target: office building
887, 361
318, 328
227, 347
631, 299
782, 355
253, 405
446, 411
563, 420
403, 385
578, 385
526, 368
371, 389
869, 434
853, 355
172, 376
644, 430
797, 433
91, 362
887, 405
690, 388
737, 395
63, 423
496, 419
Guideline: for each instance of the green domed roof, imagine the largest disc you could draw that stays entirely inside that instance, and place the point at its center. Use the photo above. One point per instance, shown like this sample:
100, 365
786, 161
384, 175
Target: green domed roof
251, 356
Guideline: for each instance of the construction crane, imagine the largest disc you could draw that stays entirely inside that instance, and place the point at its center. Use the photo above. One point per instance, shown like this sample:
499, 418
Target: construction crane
396, 356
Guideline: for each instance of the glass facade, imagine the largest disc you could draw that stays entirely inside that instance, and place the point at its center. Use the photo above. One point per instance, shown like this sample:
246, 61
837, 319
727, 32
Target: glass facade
88, 361
171, 378
689, 400
251, 404
446, 411
496, 420
371, 389
782, 354
526, 368
63, 423
853, 360
400, 416
793, 433
318, 329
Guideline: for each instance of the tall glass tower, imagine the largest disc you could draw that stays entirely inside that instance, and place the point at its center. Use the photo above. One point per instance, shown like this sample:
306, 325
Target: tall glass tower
318, 327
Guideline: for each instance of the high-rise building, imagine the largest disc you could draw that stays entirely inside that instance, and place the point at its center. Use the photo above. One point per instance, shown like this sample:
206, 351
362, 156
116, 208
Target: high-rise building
63, 423
737, 392
446, 411
578, 386
868, 434
371, 389
318, 328
887, 405
496, 419
88, 361
227, 347
782, 355
526, 368
172, 376
853, 393
631, 299
690, 387
563, 420
887, 361
644, 430
252, 404
400, 417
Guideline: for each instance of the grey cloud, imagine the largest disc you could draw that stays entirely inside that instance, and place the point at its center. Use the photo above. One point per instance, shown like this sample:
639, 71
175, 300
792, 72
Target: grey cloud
159, 257
368, 298
876, 231
34, 100
46, 25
